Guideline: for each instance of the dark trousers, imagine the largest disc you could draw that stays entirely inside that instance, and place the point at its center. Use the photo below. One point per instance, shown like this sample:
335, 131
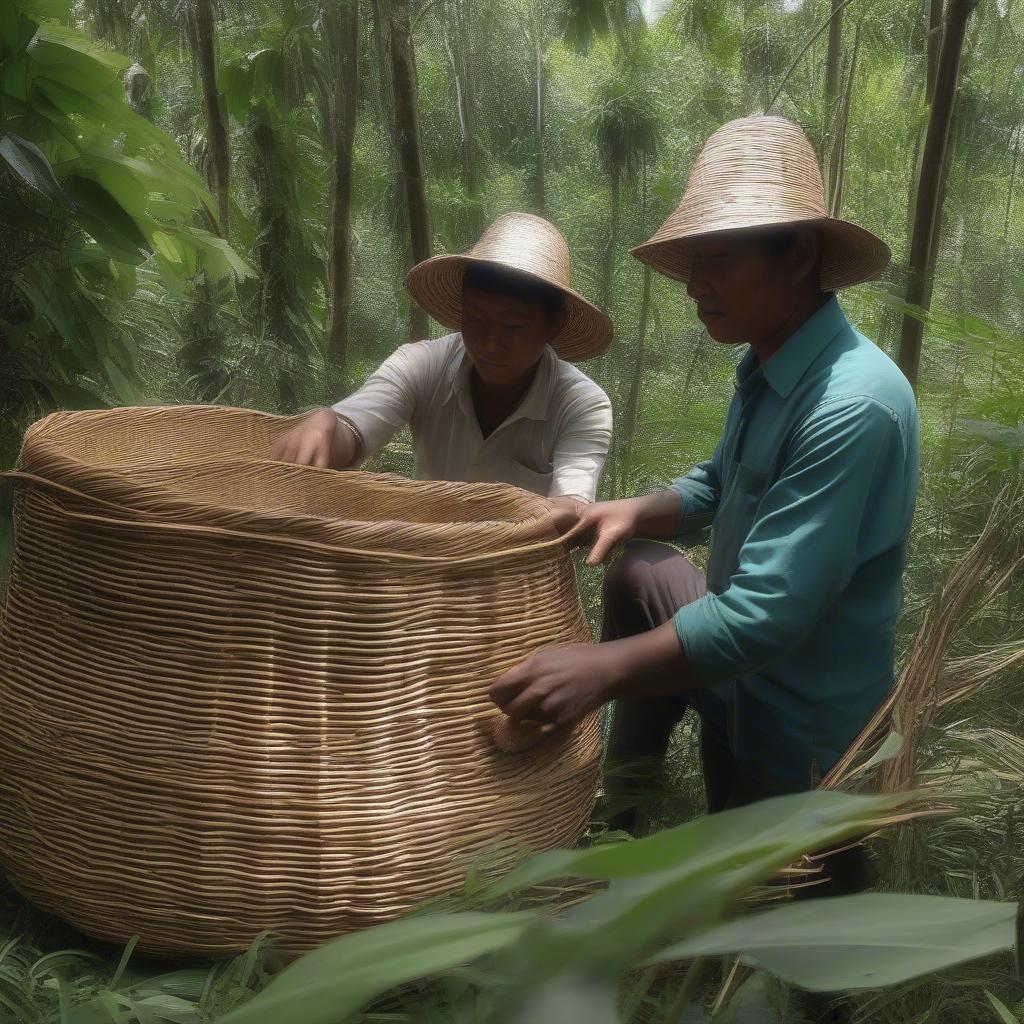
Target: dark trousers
642, 590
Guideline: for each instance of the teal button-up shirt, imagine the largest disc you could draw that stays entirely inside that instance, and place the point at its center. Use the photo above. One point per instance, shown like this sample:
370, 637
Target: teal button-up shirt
809, 498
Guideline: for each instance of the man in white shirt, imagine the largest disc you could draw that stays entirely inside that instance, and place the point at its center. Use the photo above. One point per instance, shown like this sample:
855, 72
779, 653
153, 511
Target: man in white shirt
500, 400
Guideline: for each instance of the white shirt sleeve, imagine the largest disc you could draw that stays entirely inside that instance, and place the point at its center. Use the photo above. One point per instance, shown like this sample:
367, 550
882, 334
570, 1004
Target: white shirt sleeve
581, 446
388, 399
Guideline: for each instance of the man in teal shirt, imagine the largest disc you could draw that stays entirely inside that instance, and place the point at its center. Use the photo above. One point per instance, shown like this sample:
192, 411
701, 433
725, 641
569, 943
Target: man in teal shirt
806, 502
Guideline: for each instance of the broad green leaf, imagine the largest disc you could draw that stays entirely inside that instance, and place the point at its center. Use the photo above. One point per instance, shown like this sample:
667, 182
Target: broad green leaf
71, 396
29, 162
790, 825
1002, 1010
69, 39
216, 254
569, 999
857, 942
55, 9
105, 219
122, 386
9, 22
332, 982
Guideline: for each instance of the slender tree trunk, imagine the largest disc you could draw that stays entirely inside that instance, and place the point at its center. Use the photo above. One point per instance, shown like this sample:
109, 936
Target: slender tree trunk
833, 62
940, 205
341, 23
613, 243
837, 165
465, 105
219, 171
936, 21
927, 216
1013, 185
627, 431
540, 88
410, 146
833, 76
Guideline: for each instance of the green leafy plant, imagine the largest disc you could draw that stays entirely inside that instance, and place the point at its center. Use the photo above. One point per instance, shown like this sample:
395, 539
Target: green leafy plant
658, 900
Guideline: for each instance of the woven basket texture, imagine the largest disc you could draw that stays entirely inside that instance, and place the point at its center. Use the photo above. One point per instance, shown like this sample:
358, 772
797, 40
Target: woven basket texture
238, 695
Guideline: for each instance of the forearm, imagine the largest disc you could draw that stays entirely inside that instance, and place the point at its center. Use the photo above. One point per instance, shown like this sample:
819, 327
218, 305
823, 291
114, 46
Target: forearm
650, 664
657, 515
346, 445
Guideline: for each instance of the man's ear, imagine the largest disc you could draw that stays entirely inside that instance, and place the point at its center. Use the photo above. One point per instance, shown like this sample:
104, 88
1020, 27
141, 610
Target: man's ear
805, 256
557, 321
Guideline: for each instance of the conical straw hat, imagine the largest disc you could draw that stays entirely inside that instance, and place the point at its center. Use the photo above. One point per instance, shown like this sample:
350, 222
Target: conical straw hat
528, 245
761, 172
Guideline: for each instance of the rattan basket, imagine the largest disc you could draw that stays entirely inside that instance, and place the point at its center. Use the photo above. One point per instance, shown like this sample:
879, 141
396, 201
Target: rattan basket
238, 695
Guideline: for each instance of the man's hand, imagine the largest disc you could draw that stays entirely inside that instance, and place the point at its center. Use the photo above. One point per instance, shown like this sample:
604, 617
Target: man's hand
565, 512
558, 686
319, 440
604, 525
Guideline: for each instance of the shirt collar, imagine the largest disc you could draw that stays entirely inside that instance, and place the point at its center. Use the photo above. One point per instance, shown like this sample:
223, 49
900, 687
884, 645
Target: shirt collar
536, 403
786, 366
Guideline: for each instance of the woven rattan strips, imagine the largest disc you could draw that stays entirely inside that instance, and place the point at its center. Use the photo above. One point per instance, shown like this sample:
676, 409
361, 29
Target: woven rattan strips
238, 695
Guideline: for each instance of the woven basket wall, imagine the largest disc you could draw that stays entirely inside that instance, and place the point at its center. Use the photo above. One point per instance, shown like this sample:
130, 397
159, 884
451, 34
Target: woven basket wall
238, 695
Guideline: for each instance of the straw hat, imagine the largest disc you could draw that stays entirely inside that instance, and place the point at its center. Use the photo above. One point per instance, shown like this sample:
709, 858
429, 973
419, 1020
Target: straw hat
528, 245
761, 172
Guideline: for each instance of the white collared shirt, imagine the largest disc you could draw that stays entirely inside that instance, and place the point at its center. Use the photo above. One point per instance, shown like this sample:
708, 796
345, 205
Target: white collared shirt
554, 444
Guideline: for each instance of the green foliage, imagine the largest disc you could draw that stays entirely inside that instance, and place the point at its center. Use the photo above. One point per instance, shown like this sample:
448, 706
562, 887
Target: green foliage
112, 289
90, 191
676, 883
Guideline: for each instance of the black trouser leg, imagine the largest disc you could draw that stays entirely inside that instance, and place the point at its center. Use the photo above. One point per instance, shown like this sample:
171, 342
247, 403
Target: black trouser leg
642, 591
843, 872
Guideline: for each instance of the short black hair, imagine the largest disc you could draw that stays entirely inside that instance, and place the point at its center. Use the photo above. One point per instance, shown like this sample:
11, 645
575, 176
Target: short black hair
488, 278
776, 241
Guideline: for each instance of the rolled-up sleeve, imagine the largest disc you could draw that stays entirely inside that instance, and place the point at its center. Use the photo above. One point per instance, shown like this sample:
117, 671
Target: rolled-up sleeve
387, 401
700, 491
582, 445
844, 469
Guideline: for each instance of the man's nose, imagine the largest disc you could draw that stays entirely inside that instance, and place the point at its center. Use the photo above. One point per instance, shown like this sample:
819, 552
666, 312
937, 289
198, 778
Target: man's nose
490, 339
697, 287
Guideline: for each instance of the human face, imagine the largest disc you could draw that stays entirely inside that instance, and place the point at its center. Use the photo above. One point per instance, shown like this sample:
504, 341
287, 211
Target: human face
505, 336
745, 294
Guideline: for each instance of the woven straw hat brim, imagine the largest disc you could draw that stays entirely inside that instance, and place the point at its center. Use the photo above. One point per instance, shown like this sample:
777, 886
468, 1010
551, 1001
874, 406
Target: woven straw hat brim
436, 284
850, 254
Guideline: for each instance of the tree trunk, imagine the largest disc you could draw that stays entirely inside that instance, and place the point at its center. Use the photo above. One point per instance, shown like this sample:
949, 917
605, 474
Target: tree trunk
628, 429
613, 243
927, 215
540, 87
834, 59
465, 105
341, 23
837, 164
219, 169
1013, 185
833, 75
410, 146
935, 29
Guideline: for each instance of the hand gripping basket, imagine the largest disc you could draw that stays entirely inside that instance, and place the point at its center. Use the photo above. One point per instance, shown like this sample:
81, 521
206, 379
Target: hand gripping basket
239, 695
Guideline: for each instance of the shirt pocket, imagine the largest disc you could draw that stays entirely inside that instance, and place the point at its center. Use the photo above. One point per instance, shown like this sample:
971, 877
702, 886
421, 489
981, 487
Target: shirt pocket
750, 481
530, 479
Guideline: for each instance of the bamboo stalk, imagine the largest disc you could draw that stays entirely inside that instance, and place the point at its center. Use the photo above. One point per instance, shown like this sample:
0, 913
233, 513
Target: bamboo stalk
927, 217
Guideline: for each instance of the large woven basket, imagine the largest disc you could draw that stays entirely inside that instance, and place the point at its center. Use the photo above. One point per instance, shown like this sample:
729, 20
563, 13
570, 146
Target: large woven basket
239, 695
